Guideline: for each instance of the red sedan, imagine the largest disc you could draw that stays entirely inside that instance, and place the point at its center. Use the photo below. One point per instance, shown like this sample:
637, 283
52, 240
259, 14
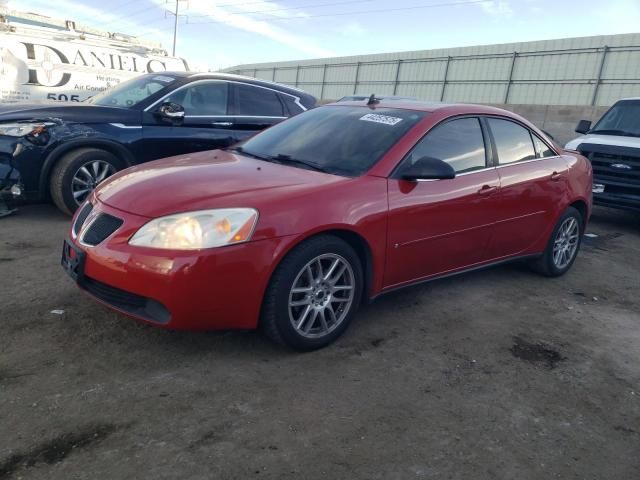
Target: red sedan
295, 228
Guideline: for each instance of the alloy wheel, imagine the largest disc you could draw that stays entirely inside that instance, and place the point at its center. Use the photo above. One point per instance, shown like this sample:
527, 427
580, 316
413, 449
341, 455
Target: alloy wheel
321, 295
88, 177
565, 244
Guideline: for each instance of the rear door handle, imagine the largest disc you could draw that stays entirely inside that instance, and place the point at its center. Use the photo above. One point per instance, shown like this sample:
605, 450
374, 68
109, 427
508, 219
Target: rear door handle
222, 124
555, 176
487, 190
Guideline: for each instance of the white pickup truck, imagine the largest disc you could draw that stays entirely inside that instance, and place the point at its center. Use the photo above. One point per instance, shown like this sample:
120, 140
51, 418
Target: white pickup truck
613, 147
45, 60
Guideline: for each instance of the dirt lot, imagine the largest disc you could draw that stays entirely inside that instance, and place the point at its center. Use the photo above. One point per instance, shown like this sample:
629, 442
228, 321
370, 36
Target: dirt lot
499, 374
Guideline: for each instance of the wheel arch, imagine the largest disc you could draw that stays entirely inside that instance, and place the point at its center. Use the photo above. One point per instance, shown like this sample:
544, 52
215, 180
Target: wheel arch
354, 239
582, 207
57, 153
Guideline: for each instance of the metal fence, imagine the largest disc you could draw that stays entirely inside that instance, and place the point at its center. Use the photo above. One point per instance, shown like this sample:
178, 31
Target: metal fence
570, 76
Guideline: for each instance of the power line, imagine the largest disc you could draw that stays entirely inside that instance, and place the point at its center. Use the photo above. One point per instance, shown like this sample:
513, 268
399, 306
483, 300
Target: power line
288, 8
361, 12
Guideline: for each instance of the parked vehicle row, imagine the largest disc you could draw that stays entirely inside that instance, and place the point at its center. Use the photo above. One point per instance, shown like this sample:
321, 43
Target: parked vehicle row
64, 151
293, 229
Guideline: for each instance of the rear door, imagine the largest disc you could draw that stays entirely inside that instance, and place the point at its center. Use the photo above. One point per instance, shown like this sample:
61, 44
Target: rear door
533, 179
439, 226
206, 126
255, 108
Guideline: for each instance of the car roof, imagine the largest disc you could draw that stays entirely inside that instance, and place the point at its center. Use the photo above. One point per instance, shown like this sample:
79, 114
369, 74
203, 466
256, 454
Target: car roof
424, 106
242, 78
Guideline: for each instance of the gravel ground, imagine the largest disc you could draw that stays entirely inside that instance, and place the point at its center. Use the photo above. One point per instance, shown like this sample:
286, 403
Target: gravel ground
498, 374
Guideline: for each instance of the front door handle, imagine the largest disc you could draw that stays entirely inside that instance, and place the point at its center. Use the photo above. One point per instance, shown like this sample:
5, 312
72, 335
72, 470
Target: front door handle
487, 190
222, 124
555, 176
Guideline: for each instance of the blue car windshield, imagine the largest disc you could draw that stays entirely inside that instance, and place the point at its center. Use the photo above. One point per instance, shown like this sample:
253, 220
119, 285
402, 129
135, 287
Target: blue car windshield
132, 92
342, 140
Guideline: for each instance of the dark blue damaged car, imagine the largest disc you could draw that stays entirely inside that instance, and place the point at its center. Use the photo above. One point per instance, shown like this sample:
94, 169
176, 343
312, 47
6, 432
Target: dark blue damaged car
61, 152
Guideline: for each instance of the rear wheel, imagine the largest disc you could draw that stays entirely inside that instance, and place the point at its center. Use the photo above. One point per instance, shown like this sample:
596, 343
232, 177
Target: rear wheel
313, 294
563, 245
77, 173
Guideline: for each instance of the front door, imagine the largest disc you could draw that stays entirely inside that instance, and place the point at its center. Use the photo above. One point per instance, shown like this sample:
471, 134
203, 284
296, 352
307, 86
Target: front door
206, 124
441, 226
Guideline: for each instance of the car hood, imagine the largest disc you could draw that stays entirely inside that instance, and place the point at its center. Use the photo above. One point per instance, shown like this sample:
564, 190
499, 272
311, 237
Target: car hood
599, 139
79, 113
204, 180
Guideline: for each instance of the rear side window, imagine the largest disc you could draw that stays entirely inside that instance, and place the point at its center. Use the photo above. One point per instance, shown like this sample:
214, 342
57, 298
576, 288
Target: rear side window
542, 149
458, 142
513, 141
257, 102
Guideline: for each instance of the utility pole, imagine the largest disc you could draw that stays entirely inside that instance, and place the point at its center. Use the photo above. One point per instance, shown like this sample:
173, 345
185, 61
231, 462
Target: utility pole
175, 26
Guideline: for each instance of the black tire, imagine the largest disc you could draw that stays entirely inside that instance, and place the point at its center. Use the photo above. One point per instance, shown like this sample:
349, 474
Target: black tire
275, 318
545, 265
61, 180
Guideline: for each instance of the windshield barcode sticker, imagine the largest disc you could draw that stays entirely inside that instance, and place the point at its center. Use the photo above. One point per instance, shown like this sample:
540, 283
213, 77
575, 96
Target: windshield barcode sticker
384, 119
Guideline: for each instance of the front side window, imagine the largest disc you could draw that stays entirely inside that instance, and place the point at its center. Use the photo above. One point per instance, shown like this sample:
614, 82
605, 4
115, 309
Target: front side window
458, 142
513, 141
257, 102
343, 140
202, 99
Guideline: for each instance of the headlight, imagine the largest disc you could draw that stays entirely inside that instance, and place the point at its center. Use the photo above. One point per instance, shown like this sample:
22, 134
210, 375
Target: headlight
195, 230
21, 129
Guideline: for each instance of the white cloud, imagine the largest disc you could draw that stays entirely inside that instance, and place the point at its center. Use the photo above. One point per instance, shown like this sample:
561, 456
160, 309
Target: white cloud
352, 29
259, 27
497, 8
624, 14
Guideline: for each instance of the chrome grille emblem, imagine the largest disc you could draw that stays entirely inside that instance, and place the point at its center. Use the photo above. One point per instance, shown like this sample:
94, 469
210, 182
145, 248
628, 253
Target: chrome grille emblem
621, 166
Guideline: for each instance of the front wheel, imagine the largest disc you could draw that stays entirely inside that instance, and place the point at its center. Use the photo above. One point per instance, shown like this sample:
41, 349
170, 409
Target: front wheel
76, 175
563, 245
313, 294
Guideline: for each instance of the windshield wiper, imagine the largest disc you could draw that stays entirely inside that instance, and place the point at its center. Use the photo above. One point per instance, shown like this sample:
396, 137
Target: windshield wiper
248, 154
281, 158
616, 132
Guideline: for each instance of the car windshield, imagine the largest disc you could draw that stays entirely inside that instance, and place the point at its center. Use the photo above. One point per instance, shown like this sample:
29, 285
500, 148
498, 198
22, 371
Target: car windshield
621, 119
132, 92
336, 139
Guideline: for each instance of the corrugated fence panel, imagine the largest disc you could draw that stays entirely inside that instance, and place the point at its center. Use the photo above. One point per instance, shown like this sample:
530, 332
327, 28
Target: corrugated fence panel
624, 64
479, 69
429, 70
286, 75
341, 74
547, 72
334, 92
428, 91
474, 93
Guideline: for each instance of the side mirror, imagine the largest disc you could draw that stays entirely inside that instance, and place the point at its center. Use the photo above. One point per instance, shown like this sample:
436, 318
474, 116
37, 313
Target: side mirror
174, 112
428, 168
583, 126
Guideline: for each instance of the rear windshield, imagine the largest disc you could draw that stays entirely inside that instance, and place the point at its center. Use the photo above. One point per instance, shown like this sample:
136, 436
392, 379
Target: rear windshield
343, 140
621, 119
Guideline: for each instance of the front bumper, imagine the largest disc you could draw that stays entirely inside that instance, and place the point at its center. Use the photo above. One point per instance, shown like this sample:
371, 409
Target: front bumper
617, 200
211, 289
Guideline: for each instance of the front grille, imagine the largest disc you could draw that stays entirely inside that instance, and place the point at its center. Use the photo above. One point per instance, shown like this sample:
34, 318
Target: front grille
137, 305
82, 216
103, 226
617, 180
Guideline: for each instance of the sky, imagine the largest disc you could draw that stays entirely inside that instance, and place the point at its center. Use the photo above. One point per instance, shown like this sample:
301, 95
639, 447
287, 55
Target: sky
214, 34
